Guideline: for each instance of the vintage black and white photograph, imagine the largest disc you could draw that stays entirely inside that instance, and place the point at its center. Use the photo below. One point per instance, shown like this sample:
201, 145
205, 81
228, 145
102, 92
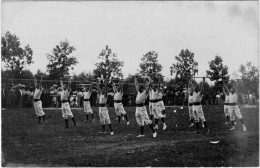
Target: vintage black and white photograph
129, 83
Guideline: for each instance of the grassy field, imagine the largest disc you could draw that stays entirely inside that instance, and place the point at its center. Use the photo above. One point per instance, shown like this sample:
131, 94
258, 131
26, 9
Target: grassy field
26, 143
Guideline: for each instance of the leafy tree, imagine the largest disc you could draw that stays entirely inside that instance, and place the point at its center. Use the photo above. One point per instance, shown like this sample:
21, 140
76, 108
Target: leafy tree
130, 79
9, 78
249, 78
14, 56
206, 86
43, 74
85, 75
61, 61
7, 73
108, 65
217, 70
24, 74
184, 67
172, 85
150, 66
129, 86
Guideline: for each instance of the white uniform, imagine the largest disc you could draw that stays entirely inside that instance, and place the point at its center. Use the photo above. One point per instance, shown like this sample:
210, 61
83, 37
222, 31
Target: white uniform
38, 104
119, 109
161, 101
103, 111
86, 103
233, 108
141, 112
156, 110
190, 101
197, 109
65, 106
150, 103
226, 105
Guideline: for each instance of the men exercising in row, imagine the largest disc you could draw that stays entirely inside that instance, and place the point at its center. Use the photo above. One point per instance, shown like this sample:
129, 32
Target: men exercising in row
142, 118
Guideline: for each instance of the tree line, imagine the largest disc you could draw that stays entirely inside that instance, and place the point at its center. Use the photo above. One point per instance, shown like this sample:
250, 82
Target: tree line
62, 60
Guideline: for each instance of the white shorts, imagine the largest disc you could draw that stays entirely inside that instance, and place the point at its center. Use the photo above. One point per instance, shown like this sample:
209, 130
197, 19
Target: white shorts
233, 112
150, 108
103, 115
119, 109
66, 112
162, 105
198, 113
157, 110
142, 116
191, 113
38, 108
87, 108
226, 108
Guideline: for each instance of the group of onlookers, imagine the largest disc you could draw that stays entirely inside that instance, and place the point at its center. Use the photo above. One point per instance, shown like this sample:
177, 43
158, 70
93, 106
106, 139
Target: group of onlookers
16, 96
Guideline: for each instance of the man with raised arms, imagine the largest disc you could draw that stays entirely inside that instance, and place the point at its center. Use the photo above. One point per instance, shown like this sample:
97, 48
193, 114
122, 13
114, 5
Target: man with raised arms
65, 106
156, 110
37, 100
86, 103
103, 111
162, 103
197, 108
141, 113
233, 108
119, 109
226, 106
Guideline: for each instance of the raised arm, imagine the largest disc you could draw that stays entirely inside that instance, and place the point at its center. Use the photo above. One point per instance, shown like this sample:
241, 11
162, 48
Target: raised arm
98, 87
202, 86
90, 88
114, 87
61, 83
106, 88
190, 85
121, 87
82, 84
69, 85
236, 86
35, 82
225, 88
159, 86
148, 86
202, 89
136, 84
41, 84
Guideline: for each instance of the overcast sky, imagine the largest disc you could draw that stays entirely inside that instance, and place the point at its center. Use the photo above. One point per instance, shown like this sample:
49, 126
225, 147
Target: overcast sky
228, 29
